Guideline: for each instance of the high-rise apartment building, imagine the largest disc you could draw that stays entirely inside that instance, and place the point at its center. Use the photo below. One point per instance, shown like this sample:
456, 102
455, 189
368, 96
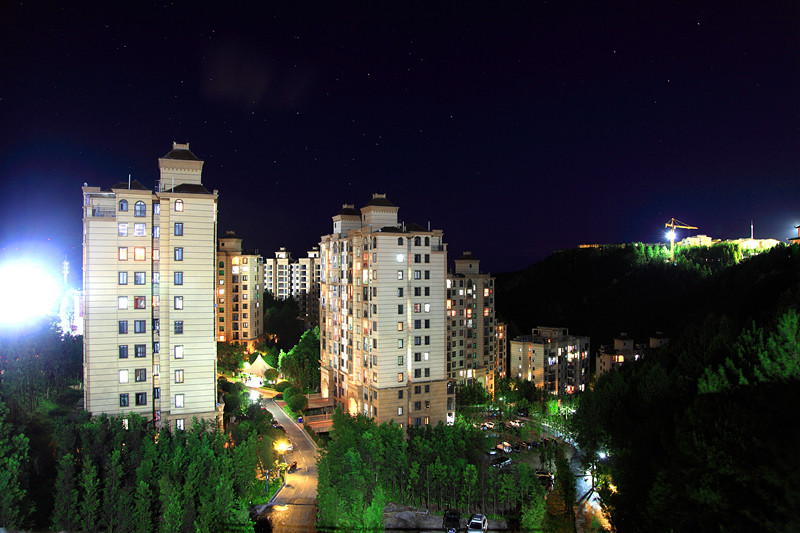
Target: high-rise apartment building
471, 329
552, 358
287, 277
240, 283
382, 317
149, 295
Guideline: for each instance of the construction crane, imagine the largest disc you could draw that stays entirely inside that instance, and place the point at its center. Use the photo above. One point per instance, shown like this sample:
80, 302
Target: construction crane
674, 223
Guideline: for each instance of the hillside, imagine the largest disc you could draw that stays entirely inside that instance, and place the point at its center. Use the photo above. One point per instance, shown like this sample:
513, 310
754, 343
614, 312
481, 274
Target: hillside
633, 288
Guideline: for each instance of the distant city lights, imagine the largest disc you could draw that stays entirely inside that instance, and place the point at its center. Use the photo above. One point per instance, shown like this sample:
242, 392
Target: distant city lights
28, 291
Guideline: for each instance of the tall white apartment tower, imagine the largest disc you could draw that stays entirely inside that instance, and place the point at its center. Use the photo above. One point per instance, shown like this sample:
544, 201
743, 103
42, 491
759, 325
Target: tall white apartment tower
382, 317
149, 295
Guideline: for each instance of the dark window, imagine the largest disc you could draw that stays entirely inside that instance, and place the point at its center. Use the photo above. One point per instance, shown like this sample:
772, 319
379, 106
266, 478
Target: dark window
400, 309
178, 278
140, 350
123, 351
156, 393
179, 228
141, 398
123, 400
123, 205
178, 254
427, 274
139, 278
178, 327
139, 209
427, 372
139, 326
140, 374
417, 373
123, 327
400, 393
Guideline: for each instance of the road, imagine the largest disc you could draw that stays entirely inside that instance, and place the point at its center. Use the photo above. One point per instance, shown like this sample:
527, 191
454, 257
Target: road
294, 509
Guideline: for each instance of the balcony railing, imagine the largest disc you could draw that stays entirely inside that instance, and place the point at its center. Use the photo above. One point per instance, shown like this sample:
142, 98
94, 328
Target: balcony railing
98, 211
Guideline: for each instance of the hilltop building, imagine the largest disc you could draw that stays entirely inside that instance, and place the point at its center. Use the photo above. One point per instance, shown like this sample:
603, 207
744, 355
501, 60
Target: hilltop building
382, 317
240, 284
296, 278
149, 295
552, 358
472, 352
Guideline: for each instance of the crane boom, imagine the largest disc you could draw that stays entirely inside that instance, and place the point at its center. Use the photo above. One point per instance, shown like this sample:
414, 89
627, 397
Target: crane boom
675, 223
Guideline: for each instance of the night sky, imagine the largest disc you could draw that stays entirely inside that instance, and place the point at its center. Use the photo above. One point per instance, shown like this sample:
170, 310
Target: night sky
518, 130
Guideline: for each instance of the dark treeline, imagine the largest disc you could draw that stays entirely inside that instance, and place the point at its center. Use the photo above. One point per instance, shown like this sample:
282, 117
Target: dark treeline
699, 434
632, 288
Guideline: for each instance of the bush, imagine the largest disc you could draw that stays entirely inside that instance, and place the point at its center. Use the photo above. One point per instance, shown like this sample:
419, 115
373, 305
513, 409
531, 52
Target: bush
297, 402
282, 386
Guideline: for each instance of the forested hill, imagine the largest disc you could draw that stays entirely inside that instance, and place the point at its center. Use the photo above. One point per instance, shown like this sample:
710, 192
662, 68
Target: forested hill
635, 289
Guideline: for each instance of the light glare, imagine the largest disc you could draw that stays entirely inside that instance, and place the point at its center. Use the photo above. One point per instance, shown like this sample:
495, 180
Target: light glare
28, 292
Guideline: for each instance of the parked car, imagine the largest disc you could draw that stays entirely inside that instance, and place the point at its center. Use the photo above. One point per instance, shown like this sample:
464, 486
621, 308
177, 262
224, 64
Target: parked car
451, 521
500, 462
546, 478
477, 523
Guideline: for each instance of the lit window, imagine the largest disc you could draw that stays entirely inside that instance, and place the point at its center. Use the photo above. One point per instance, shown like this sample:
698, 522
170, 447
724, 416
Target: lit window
179, 422
400, 258
399, 410
178, 254
122, 302
122, 229
123, 205
139, 209
123, 278
179, 400
156, 232
427, 308
156, 254
417, 308
123, 254
179, 376
140, 374
399, 274
139, 326
139, 302
179, 351
178, 205
138, 254
399, 343
123, 376
399, 326
179, 228
399, 377
179, 302
156, 209
417, 274
138, 230
139, 278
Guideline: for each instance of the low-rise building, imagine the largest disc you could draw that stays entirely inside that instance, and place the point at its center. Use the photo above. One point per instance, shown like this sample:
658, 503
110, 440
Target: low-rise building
625, 351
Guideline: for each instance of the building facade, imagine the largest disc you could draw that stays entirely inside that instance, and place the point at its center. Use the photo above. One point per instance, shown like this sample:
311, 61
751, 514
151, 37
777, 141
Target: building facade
240, 284
382, 317
472, 341
287, 277
149, 295
552, 358
625, 351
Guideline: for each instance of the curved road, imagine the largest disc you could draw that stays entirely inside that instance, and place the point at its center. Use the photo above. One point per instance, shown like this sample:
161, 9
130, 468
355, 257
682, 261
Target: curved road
294, 508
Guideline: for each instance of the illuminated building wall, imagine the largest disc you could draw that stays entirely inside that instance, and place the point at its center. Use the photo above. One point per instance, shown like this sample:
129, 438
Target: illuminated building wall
625, 351
149, 295
287, 277
382, 317
240, 284
552, 358
471, 328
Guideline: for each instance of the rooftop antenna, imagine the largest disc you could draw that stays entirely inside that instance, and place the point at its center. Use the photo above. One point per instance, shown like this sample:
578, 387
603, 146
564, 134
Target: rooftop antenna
129, 180
751, 229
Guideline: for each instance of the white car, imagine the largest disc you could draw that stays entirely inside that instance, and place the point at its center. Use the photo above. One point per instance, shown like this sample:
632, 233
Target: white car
477, 524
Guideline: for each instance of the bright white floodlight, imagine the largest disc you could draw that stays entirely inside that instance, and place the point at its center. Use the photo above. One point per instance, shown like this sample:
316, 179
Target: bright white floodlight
28, 291
671, 235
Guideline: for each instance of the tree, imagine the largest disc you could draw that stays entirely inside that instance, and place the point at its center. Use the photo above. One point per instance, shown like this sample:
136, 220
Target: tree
14, 509
301, 364
65, 511
231, 357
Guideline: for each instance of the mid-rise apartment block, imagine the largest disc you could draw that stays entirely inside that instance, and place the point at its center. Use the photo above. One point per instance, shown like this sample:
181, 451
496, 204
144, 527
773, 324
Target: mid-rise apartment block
286, 276
471, 328
625, 351
149, 295
382, 317
551, 358
240, 284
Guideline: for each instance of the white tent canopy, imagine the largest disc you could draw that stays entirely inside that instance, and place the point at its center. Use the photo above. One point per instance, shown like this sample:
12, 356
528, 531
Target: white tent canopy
258, 367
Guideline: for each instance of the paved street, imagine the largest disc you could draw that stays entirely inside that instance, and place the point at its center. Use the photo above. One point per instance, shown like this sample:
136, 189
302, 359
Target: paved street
294, 509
